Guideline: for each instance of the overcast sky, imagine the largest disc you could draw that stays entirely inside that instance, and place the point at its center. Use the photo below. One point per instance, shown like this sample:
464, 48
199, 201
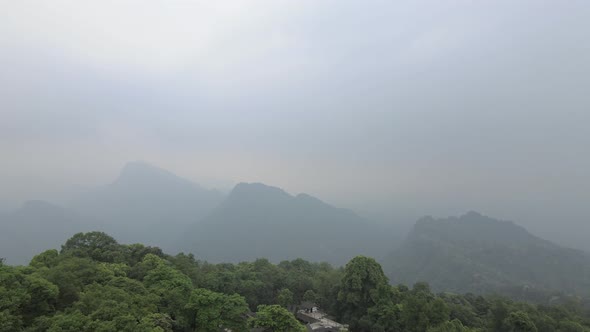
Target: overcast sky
400, 108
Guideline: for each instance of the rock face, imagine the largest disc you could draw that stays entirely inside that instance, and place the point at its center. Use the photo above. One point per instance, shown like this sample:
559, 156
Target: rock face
474, 253
262, 221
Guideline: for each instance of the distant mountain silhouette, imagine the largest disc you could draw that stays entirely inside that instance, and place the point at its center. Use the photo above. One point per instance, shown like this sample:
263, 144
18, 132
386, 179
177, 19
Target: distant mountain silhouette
36, 227
474, 253
257, 220
148, 204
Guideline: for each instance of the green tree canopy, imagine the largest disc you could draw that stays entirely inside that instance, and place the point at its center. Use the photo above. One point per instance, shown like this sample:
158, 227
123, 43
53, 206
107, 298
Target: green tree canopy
212, 310
274, 318
362, 277
285, 297
95, 245
519, 321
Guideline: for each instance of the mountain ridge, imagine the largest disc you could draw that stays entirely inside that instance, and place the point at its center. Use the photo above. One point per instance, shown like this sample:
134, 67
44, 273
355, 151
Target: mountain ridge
53, 222
475, 253
261, 220
147, 203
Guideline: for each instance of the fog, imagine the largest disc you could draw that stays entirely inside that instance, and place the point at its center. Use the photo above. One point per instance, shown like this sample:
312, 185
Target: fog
395, 109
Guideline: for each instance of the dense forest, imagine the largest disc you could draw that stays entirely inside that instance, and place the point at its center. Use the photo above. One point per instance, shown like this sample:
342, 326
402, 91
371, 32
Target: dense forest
96, 284
471, 253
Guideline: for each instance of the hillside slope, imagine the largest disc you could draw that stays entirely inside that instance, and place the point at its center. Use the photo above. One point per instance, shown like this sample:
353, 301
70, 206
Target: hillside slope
474, 253
148, 204
262, 221
36, 227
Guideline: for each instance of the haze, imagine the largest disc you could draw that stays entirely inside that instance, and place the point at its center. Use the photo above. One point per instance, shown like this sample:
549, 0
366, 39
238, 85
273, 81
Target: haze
393, 109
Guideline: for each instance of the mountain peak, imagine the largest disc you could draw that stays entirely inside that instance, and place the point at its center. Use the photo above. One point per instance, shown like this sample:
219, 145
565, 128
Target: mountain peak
472, 226
136, 168
259, 220
479, 254
141, 174
257, 190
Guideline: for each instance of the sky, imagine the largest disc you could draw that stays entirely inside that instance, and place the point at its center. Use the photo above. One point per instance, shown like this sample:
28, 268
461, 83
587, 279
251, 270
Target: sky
396, 109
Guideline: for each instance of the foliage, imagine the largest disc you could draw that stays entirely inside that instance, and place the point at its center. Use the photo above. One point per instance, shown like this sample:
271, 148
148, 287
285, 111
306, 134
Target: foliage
96, 245
362, 277
450, 326
519, 321
285, 297
276, 319
96, 284
213, 310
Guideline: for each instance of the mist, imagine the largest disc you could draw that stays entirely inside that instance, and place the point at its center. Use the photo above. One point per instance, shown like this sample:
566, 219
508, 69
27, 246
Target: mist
395, 110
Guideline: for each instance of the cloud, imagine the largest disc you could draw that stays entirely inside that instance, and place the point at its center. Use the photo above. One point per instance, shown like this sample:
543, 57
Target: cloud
425, 103
148, 35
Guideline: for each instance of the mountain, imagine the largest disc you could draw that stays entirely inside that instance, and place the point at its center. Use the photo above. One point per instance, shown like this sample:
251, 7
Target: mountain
475, 253
148, 204
257, 220
36, 227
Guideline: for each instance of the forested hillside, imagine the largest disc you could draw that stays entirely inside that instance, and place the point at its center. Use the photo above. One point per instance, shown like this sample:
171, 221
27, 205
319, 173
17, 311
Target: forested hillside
474, 253
257, 220
96, 284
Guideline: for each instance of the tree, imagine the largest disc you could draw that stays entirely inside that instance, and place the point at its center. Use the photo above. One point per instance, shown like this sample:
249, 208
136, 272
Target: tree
499, 312
386, 314
47, 259
95, 245
9, 322
519, 321
172, 286
327, 284
414, 316
24, 296
285, 297
422, 309
134, 253
234, 311
310, 296
69, 322
42, 297
450, 326
362, 277
107, 303
71, 274
274, 318
438, 312
156, 323
212, 310
570, 326
82, 289
188, 265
